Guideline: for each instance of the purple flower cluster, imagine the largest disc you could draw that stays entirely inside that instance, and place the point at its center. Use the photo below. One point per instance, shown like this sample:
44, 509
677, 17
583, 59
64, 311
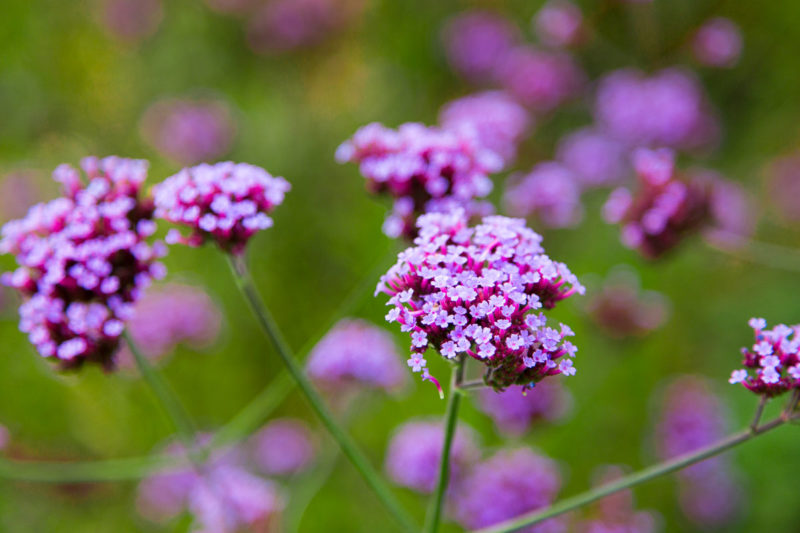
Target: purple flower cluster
559, 23
506, 485
355, 352
772, 364
424, 169
226, 203
474, 291
415, 451
224, 497
474, 40
549, 191
594, 158
622, 309
693, 417
665, 109
497, 121
718, 43
131, 21
283, 447
169, 315
665, 208
514, 409
284, 25
189, 131
84, 260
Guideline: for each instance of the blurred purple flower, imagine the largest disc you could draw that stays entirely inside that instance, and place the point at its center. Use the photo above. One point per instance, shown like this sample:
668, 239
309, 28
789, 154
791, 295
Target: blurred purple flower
355, 352
692, 417
718, 43
498, 122
731, 209
784, 185
667, 108
5, 437
541, 80
559, 23
514, 409
594, 158
474, 40
131, 21
621, 309
169, 315
506, 485
549, 191
415, 451
283, 447
189, 131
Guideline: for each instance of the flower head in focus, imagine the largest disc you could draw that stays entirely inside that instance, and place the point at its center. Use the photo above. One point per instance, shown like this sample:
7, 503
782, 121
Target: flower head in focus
663, 211
549, 191
283, 447
476, 292
84, 260
355, 352
514, 409
772, 363
424, 169
226, 203
718, 43
415, 450
474, 40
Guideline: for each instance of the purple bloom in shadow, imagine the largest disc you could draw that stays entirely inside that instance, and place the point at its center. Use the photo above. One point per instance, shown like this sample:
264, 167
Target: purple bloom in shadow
474, 41
515, 409
541, 80
594, 158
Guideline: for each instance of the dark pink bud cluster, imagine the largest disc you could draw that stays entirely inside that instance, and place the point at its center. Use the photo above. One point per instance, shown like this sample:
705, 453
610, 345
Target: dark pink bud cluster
84, 260
665, 208
226, 203
772, 364
474, 291
424, 169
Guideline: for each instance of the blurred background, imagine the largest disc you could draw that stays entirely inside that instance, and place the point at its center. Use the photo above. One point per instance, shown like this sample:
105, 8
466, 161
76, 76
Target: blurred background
281, 84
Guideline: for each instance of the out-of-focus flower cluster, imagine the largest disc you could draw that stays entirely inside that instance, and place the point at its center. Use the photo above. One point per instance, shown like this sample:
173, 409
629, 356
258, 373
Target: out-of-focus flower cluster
515, 409
622, 309
424, 169
718, 43
474, 291
130, 21
84, 260
226, 203
692, 417
772, 364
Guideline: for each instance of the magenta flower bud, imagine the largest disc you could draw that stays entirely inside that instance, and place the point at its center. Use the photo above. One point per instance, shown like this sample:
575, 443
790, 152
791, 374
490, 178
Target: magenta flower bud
415, 451
559, 23
497, 121
189, 131
549, 191
718, 43
226, 203
474, 41
84, 260
424, 169
356, 353
772, 364
663, 211
538, 79
131, 21
475, 292
508, 484
515, 409
283, 447
594, 158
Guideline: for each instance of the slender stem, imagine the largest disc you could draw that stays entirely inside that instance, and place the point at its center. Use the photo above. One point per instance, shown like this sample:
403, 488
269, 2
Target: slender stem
169, 401
759, 411
89, 471
434, 515
349, 448
632, 480
763, 253
470, 385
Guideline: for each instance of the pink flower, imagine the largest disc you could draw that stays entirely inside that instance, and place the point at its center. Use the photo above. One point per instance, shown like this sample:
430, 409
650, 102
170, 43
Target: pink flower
549, 191
718, 43
474, 40
559, 23
283, 447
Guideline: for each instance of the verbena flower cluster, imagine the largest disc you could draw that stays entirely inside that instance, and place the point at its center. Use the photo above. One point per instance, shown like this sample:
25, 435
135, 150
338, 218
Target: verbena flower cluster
772, 364
84, 261
284, 447
475, 291
415, 451
356, 353
226, 203
424, 169
664, 209
515, 409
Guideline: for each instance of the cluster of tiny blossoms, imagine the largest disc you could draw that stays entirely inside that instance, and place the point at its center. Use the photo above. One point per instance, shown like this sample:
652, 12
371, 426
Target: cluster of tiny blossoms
665, 208
424, 169
84, 260
772, 365
226, 203
475, 291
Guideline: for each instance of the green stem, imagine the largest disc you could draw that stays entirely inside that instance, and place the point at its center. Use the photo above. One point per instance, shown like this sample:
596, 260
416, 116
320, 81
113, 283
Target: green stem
166, 396
763, 253
451, 419
349, 448
632, 480
90, 471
